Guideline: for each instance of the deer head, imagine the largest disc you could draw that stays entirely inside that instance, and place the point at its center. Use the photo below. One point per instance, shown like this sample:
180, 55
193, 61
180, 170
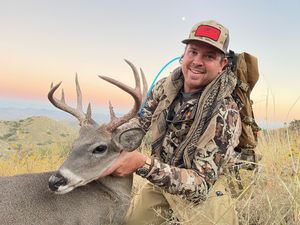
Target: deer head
97, 146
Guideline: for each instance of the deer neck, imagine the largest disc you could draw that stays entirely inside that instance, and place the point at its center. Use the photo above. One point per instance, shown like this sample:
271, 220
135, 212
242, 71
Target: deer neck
121, 186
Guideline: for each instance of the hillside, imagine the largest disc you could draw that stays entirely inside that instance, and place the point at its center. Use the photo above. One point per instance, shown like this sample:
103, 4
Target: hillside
23, 112
34, 133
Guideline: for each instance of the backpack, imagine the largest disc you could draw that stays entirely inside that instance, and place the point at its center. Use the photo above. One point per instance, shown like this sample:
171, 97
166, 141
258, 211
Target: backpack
245, 67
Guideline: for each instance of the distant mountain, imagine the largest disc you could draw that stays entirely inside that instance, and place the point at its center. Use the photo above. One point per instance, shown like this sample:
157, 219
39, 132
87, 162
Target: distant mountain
11, 113
38, 132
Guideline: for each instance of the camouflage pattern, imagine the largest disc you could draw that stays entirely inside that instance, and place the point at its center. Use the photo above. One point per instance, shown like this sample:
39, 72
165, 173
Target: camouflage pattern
202, 32
150, 105
209, 161
180, 116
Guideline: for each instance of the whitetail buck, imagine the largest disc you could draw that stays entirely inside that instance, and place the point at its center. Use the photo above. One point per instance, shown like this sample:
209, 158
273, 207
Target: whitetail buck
27, 200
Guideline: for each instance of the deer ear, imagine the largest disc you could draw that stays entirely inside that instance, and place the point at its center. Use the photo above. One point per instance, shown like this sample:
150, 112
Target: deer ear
128, 136
131, 139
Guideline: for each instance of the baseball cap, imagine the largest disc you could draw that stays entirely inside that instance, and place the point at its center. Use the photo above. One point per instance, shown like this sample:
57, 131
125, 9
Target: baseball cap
210, 32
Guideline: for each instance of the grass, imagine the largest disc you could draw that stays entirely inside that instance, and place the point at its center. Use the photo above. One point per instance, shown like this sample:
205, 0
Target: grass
271, 193
36, 160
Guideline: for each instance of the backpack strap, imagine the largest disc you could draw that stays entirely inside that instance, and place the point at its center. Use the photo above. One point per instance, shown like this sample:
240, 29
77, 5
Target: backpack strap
232, 60
243, 85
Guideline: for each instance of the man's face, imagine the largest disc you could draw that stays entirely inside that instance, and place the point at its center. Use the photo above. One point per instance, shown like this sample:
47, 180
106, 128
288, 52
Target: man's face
201, 63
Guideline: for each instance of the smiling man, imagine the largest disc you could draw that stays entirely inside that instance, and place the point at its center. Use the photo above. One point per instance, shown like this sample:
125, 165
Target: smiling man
195, 125
201, 63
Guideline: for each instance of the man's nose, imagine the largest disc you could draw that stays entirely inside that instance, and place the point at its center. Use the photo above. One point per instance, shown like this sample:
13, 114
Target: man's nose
198, 60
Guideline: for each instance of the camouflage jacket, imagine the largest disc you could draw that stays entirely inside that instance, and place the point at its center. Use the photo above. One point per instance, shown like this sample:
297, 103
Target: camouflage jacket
190, 174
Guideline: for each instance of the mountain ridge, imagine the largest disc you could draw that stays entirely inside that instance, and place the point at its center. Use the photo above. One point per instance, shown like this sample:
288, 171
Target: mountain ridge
34, 133
15, 113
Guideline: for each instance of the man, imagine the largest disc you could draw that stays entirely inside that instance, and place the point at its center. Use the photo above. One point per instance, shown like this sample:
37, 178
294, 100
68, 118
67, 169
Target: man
195, 126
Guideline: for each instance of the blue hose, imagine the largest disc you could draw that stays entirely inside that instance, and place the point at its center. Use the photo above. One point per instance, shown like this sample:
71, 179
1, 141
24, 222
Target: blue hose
141, 111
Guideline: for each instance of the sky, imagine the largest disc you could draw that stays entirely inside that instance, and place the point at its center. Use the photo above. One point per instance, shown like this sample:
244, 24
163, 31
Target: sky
44, 41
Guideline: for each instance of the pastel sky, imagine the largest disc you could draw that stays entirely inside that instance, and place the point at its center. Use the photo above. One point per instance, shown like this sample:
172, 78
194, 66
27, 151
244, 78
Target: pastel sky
50, 40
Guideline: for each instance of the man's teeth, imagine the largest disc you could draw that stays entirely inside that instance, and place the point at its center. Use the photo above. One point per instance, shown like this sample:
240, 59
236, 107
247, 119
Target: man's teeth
196, 71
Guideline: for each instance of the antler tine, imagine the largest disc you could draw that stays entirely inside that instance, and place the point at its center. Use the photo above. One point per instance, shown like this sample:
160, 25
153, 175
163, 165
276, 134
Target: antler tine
135, 93
111, 112
62, 99
89, 113
145, 85
63, 106
135, 73
79, 95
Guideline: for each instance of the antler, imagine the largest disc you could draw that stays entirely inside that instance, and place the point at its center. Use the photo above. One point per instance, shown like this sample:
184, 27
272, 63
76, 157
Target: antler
136, 93
61, 104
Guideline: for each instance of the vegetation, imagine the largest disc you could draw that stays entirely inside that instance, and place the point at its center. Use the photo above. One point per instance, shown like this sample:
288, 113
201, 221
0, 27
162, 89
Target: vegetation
270, 194
37, 160
35, 144
295, 125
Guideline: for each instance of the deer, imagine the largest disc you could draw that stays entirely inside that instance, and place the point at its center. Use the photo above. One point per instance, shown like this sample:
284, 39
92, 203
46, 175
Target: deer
77, 193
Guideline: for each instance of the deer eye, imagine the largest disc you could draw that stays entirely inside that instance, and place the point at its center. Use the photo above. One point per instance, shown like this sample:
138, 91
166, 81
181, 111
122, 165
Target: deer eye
99, 149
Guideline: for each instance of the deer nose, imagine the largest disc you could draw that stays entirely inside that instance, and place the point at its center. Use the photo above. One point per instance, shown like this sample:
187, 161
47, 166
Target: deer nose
56, 181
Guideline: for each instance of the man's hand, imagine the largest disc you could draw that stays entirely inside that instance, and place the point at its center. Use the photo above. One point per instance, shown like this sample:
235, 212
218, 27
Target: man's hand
126, 164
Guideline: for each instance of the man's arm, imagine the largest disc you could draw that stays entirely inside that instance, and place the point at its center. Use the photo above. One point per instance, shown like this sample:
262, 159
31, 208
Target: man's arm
194, 184
128, 162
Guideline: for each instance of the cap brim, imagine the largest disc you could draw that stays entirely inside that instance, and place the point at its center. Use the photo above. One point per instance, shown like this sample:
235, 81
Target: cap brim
186, 41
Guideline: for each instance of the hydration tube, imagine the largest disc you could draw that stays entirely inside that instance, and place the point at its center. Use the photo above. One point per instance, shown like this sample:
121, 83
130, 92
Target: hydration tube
141, 111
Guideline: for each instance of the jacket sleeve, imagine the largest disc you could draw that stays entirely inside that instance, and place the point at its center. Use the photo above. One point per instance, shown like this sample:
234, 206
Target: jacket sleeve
218, 152
150, 104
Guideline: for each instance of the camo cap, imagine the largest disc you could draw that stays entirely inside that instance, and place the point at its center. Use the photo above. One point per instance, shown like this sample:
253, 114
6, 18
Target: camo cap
210, 32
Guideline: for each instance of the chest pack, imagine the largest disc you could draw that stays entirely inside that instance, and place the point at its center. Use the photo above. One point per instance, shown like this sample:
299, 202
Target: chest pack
245, 67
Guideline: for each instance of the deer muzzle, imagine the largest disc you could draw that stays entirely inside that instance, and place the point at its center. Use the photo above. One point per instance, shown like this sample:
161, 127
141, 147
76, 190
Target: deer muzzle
56, 181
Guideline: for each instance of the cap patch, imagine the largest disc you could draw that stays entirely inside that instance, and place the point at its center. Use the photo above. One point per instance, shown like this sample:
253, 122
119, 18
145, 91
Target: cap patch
208, 31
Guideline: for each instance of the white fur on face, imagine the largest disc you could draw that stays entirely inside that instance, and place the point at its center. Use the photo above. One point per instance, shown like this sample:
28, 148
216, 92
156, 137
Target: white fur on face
73, 181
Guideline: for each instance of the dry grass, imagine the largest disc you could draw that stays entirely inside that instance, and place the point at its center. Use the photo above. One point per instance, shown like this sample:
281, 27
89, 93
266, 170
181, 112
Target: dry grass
271, 194
33, 161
